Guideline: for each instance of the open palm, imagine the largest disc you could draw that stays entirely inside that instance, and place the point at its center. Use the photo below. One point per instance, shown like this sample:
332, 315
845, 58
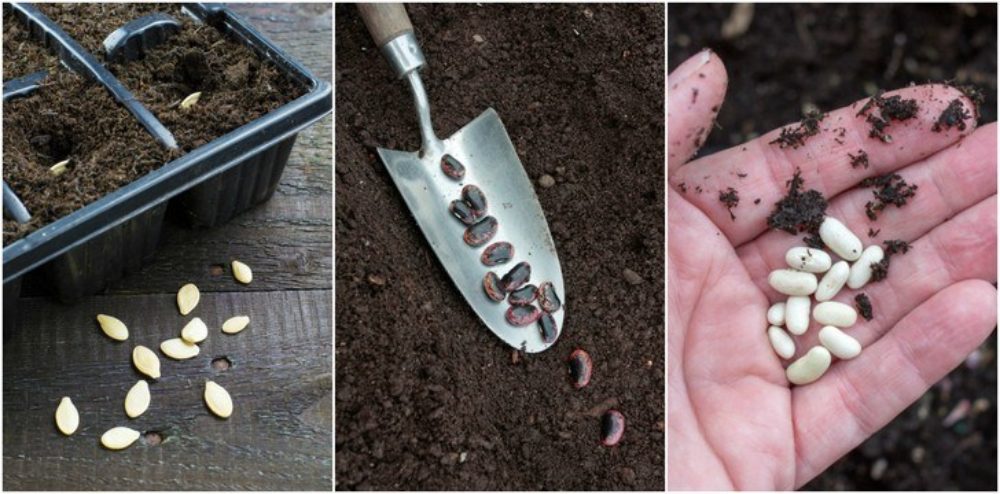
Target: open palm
734, 421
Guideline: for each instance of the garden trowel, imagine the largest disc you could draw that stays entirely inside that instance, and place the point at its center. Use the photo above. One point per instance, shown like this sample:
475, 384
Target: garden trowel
432, 181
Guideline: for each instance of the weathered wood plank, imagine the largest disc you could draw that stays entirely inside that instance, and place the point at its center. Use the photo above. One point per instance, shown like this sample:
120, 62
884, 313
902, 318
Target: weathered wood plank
278, 438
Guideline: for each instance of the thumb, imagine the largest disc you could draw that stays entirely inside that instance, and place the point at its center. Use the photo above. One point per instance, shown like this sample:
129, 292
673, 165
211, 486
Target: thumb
696, 90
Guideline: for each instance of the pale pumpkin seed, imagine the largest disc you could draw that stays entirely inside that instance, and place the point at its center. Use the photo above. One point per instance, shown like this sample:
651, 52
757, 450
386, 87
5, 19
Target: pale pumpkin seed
67, 418
137, 399
187, 298
242, 272
218, 400
146, 361
195, 331
190, 101
119, 438
59, 168
114, 328
236, 324
178, 349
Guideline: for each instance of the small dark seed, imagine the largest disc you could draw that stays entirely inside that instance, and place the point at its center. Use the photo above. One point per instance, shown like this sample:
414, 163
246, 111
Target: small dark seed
481, 232
451, 167
491, 285
523, 315
612, 427
462, 211
580, 367
516, 277
547, 297
523, 296
475, 198
547, 325
497, 253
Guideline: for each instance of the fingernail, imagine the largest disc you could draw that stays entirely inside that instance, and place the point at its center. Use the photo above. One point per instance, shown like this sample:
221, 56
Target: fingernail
690, 67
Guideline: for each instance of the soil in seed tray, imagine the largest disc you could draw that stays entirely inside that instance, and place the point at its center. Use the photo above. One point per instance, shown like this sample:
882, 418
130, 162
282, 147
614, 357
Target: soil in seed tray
22, 55
91, 23
427, 397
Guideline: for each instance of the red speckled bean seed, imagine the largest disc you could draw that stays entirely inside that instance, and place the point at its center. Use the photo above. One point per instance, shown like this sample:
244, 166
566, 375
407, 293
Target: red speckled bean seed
516, 277
612, 427
481, 232
547, 326
523, 296
547, 297
459, 209
491, 285
497, 253
475, 198
523, 315
452, 168
580, 367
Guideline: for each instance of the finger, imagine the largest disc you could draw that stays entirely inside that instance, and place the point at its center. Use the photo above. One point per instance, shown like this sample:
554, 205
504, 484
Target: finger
697, 88
858, 397
948, 182
823, 159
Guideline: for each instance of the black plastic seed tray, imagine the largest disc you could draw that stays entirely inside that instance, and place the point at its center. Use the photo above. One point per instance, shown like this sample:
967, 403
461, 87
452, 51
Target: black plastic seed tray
82, 252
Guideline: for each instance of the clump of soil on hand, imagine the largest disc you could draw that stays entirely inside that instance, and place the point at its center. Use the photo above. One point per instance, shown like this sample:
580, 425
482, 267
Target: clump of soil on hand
21, 55
796, 136
872, 233
860, 160
889, 189
891, 108
896, 246
799, 211
952, 116
881, 269
864, 306
731, 199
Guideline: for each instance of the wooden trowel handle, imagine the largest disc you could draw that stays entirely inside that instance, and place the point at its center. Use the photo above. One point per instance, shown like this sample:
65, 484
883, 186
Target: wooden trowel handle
385, 21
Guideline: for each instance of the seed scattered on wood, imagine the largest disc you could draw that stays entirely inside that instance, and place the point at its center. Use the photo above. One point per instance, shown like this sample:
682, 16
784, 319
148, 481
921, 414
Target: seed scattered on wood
497, 253
67, 418
190, 100
475, 199
516, 277
137, 399
112, 327
452, 167
460, 210
218, 399
524, 295
146, 361
236, 324
612, 427
491, 285
195, 331
187, 298
59, 168
119, 438
242, 272
179, 349
522, 315
548, 327
580, 368
481, 232
548, 299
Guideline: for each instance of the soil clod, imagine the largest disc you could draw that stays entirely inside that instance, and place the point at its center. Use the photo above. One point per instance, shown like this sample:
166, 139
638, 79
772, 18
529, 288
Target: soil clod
891, 108
731, 199
864, 306
861, 159
799, 211
795, 137
952, 116
889, 189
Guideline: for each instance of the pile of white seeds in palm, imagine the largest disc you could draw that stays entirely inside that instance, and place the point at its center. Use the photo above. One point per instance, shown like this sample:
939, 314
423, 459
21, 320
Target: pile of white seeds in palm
799, 282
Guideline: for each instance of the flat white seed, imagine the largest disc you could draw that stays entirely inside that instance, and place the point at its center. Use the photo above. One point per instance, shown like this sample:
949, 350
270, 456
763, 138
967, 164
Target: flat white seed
861, 270
776, 314
218, 400
242, 272
236, 324
808, 260
797, 314
792, 282
137, 399
782, 344
67, 418
833, 281
195, 331
809, 367
190, 100
59, 168
835, 314
840, 344
113, 327
841, 240
178, 349
187, 298
119, 438
146, 361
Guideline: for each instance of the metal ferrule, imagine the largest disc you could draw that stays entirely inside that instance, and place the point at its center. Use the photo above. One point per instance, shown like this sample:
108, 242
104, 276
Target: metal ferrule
404, 54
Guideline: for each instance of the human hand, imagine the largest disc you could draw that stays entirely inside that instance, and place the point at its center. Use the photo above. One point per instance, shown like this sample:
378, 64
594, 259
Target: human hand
734, 421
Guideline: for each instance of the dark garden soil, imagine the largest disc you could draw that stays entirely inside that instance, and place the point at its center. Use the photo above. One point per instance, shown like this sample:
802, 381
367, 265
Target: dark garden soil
427, 397
795, 56
22, 56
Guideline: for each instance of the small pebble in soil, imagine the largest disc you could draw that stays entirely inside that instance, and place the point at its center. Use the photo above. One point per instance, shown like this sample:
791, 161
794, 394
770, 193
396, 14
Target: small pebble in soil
798, 211
864, 306
859, 160
547, 327
795, 137
632, 277
952, 116
376, 279
524, 295
731, 199
460, 210
475, 199
478, 38
878, 468
497, 253
888, 189
481, 232
522, 315
516, 277
546, 181
452, 167
612, 427
493, 288
580, 368
548, 299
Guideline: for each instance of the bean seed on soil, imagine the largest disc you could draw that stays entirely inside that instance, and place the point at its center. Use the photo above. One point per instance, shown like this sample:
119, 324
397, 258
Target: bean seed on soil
522, 315
475, 199
235, 324
119, 438
59, 168
137, 399
797, 314
776, 314
190, 100
67, 418
809, 367
195, 331
459, 209
497, 253
547, 326
861, 270
840, 344
218, 399
833, 281
792, 282
841, 240
146, 361
835, 314
782, 344
612, 427
113, 327
548, 299
523, 296
580, 368
179, 349
481, 232
493, 288
516, 277
452, 167
808, 260
187, 298
242, 272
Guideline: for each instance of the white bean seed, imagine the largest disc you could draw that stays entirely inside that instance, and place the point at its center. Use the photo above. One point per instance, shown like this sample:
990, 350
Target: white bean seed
808, 260
797, 314
792, 282
835, 314
833, 281
840, 239
809, 367
776, 314
861, 270
840, 344
782, 344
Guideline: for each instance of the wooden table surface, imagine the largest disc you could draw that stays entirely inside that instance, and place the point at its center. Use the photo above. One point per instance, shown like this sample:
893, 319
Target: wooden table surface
280, 434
